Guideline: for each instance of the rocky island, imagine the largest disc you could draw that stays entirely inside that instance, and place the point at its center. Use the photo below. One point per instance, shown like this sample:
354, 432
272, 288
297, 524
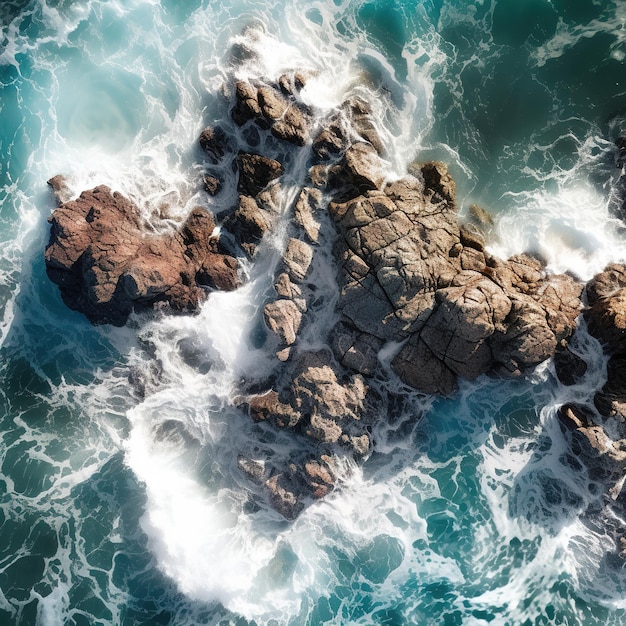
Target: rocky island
418, 296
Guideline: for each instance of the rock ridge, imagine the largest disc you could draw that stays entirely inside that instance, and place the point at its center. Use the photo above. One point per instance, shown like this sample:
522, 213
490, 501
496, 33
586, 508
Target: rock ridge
410, 280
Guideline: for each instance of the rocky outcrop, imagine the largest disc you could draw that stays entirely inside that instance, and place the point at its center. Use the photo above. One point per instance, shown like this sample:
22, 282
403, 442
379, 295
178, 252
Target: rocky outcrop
107, 264
596, 432
409, 271
413, 282
314, 401
606, 320
274, 107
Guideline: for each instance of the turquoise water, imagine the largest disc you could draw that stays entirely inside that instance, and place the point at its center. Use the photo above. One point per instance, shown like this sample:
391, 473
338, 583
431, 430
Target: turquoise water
117, 509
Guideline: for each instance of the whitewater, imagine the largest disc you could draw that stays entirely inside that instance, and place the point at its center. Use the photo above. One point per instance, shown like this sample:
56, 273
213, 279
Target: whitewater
122, 503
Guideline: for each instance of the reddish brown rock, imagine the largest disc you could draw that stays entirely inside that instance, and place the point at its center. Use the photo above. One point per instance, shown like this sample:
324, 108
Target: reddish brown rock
106, 264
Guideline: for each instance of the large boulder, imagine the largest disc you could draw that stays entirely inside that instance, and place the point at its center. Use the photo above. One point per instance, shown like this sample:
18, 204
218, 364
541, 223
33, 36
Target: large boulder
409, 271
256, 172
107, 264
250, 222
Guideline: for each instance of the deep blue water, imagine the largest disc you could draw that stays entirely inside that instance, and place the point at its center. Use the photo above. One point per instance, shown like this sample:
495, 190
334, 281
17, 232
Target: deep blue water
115, 510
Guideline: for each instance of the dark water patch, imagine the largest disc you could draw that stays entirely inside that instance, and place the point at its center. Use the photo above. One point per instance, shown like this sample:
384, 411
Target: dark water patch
385, 24
11, 9
579, 11
515, 23
586, 78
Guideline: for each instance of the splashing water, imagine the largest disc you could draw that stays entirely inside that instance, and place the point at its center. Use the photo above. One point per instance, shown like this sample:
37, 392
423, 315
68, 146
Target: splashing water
121, 509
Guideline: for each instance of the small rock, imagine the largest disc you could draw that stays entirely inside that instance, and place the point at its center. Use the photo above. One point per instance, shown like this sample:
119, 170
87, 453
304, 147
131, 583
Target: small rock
246, 106
212, 185
255, 470
283, 317
268, 407
297, 259
480, 216
256, 172
215, 143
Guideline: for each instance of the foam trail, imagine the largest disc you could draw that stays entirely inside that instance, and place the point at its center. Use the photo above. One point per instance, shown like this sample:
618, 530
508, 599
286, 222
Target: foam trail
467, 516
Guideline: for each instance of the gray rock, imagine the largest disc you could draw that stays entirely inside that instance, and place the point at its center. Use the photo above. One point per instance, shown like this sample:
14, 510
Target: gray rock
283, 497
212, 185
356, 350
215, 143
309, 202
364, 166
297, 259
293, 126
246, 106
283, 317
255, 470
249, 223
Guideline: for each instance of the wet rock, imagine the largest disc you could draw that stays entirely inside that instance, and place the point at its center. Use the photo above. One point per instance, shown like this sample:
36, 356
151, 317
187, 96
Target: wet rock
285, 288
272, 107
364, 166
292, 127
611, 280
309, 202
268, 407
254, 470
409, 270
472, 237
319, 476
359, 114
317, 400
480, 216
606, 320
106, 264
325, 400
418, 367
283, 317
60, 188
356, 350
215, 143
256, 172
246, 106
591, 442
212, 185
328, 177
283, 497
273, 104
292, 82
611, 399
249, 223
438, 183
330, 142
569, 367
297, 259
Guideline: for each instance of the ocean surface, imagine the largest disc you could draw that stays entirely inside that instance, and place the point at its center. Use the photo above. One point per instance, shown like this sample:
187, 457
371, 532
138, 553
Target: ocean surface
116, 509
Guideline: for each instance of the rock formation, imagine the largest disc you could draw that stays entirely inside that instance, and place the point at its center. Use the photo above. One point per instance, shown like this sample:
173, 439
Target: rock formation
107, 264
409, 277
596, 432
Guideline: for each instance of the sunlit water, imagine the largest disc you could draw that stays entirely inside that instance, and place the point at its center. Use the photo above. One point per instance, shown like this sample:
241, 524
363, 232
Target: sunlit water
120, 510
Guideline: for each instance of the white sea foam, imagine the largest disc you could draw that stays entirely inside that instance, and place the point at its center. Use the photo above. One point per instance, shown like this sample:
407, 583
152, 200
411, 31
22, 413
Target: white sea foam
400, 518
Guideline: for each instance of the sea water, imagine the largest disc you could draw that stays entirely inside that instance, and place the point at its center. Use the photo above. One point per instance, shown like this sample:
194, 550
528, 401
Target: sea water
125, 508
